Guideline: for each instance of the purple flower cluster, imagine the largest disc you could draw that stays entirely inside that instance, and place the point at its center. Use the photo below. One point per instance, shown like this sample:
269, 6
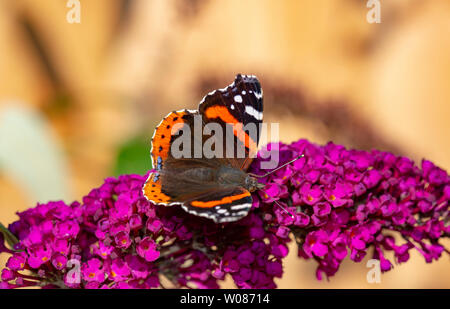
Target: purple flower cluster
342, 202
347, 201
115, 238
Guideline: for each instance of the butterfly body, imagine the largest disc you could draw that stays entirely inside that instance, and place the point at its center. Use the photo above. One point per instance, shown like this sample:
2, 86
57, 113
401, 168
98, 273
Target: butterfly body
213, 187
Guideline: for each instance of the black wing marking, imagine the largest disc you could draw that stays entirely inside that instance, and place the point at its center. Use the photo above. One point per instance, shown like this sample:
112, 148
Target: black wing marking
243, 100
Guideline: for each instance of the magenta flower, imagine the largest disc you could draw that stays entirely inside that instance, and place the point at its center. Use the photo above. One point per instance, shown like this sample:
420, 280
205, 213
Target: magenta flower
59, 261
61, 246
38, 255
146, 248
92, 271
311, 194
340, 194
66, 229
7, 275
139, 269
315, 242
119, 270
17, 261
122, 240
343, 204
154, 225
102, 250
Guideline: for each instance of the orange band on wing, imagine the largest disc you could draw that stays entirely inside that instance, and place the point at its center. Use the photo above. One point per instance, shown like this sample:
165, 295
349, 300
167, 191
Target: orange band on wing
225, 200
223, 113
162, 138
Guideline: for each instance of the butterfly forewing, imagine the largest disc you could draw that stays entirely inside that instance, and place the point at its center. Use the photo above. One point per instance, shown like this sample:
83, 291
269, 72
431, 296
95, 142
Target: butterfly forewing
239, 109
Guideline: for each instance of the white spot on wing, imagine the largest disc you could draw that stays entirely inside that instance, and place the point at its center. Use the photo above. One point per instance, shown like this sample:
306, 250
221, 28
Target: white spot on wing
253, 112
238, 98
258, 95
243, 206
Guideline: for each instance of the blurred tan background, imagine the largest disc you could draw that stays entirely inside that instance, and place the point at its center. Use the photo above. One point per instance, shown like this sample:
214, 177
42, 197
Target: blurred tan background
79, 101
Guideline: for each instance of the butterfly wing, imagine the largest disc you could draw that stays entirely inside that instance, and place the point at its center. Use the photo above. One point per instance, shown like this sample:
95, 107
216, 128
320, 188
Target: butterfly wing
162, 139
221, 204
165, 185
192, 182
239, 105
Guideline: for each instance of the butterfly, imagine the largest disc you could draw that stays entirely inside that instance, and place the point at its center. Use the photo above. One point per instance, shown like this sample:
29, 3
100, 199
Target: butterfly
218, 187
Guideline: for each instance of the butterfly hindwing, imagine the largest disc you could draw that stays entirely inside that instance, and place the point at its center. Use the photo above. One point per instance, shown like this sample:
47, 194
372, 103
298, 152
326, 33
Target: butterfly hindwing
220, 204
152, 190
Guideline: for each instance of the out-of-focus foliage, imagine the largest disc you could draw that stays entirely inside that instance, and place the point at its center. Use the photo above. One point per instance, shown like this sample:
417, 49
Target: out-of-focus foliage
133, 157
31, 155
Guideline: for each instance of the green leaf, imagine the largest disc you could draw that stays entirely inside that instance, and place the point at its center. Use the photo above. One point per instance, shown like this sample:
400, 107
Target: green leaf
133, 157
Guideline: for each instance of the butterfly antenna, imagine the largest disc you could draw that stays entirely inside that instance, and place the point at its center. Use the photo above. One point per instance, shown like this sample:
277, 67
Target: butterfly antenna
279, 167
281, 206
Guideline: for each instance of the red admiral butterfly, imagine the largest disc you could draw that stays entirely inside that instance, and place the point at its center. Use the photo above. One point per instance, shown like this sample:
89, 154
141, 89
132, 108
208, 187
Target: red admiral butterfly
215, 188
